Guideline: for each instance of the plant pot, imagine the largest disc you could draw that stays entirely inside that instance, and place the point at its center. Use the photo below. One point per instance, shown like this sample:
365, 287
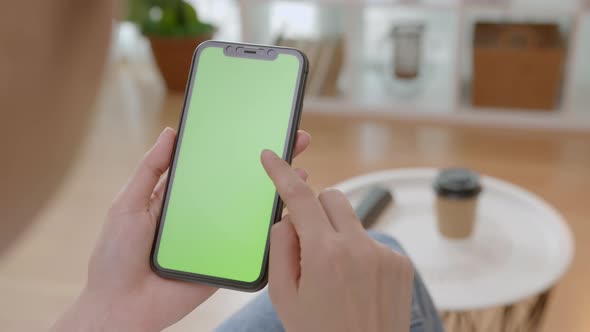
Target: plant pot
173, 56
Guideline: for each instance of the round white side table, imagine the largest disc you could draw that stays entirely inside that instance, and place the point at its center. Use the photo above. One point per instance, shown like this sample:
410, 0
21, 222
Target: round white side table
497, 280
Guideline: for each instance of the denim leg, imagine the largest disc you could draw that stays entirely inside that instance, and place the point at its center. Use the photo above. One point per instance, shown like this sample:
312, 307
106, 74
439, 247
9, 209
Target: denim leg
259, 315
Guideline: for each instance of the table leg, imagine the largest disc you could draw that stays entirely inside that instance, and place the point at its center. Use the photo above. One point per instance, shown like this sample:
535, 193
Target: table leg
525, 316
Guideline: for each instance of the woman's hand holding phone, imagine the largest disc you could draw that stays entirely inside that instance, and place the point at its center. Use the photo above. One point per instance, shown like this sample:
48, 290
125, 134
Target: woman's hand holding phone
122, 292
326, 273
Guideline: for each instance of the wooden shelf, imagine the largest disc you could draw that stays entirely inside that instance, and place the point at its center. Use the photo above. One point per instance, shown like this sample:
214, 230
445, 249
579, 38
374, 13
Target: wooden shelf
549, 7
579, 87
485, 117
365, 25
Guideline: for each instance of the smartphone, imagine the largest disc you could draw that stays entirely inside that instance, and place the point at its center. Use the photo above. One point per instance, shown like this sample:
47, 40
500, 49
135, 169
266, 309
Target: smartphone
219, 204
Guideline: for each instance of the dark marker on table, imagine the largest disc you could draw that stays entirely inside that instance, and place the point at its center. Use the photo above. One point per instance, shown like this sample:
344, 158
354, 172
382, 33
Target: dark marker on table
372, 205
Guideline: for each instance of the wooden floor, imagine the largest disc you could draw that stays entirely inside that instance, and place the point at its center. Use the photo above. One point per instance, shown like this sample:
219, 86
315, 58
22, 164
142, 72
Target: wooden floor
42, 273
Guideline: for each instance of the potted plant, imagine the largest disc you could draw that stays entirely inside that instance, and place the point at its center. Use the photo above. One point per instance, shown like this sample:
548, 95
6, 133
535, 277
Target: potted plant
174, 31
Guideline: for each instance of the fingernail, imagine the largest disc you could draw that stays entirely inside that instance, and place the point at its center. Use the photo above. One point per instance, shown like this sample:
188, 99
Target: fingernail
304, 174
164, 132
269, 154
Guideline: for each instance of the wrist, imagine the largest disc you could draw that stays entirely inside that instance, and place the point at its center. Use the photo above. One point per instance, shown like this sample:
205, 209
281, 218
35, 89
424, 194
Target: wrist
94, 311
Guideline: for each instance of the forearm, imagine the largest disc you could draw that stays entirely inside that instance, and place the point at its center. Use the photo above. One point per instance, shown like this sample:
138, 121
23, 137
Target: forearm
90, 313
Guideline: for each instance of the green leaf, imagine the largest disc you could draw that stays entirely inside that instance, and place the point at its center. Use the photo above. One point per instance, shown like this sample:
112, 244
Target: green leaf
179, 18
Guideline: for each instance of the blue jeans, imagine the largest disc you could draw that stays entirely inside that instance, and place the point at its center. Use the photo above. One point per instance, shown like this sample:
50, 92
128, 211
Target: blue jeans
260, 316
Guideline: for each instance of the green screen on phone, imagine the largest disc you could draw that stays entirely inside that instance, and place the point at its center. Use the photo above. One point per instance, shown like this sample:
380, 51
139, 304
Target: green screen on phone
220, 201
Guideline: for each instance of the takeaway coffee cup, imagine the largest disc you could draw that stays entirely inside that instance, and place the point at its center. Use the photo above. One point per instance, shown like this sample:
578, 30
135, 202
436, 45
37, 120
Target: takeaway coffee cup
457, 191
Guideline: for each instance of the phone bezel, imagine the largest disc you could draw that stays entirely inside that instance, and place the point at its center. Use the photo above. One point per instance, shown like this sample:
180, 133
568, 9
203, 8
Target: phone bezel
294, 120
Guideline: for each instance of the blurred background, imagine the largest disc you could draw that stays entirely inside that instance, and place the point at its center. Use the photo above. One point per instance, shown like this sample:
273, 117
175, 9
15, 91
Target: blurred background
501, 87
